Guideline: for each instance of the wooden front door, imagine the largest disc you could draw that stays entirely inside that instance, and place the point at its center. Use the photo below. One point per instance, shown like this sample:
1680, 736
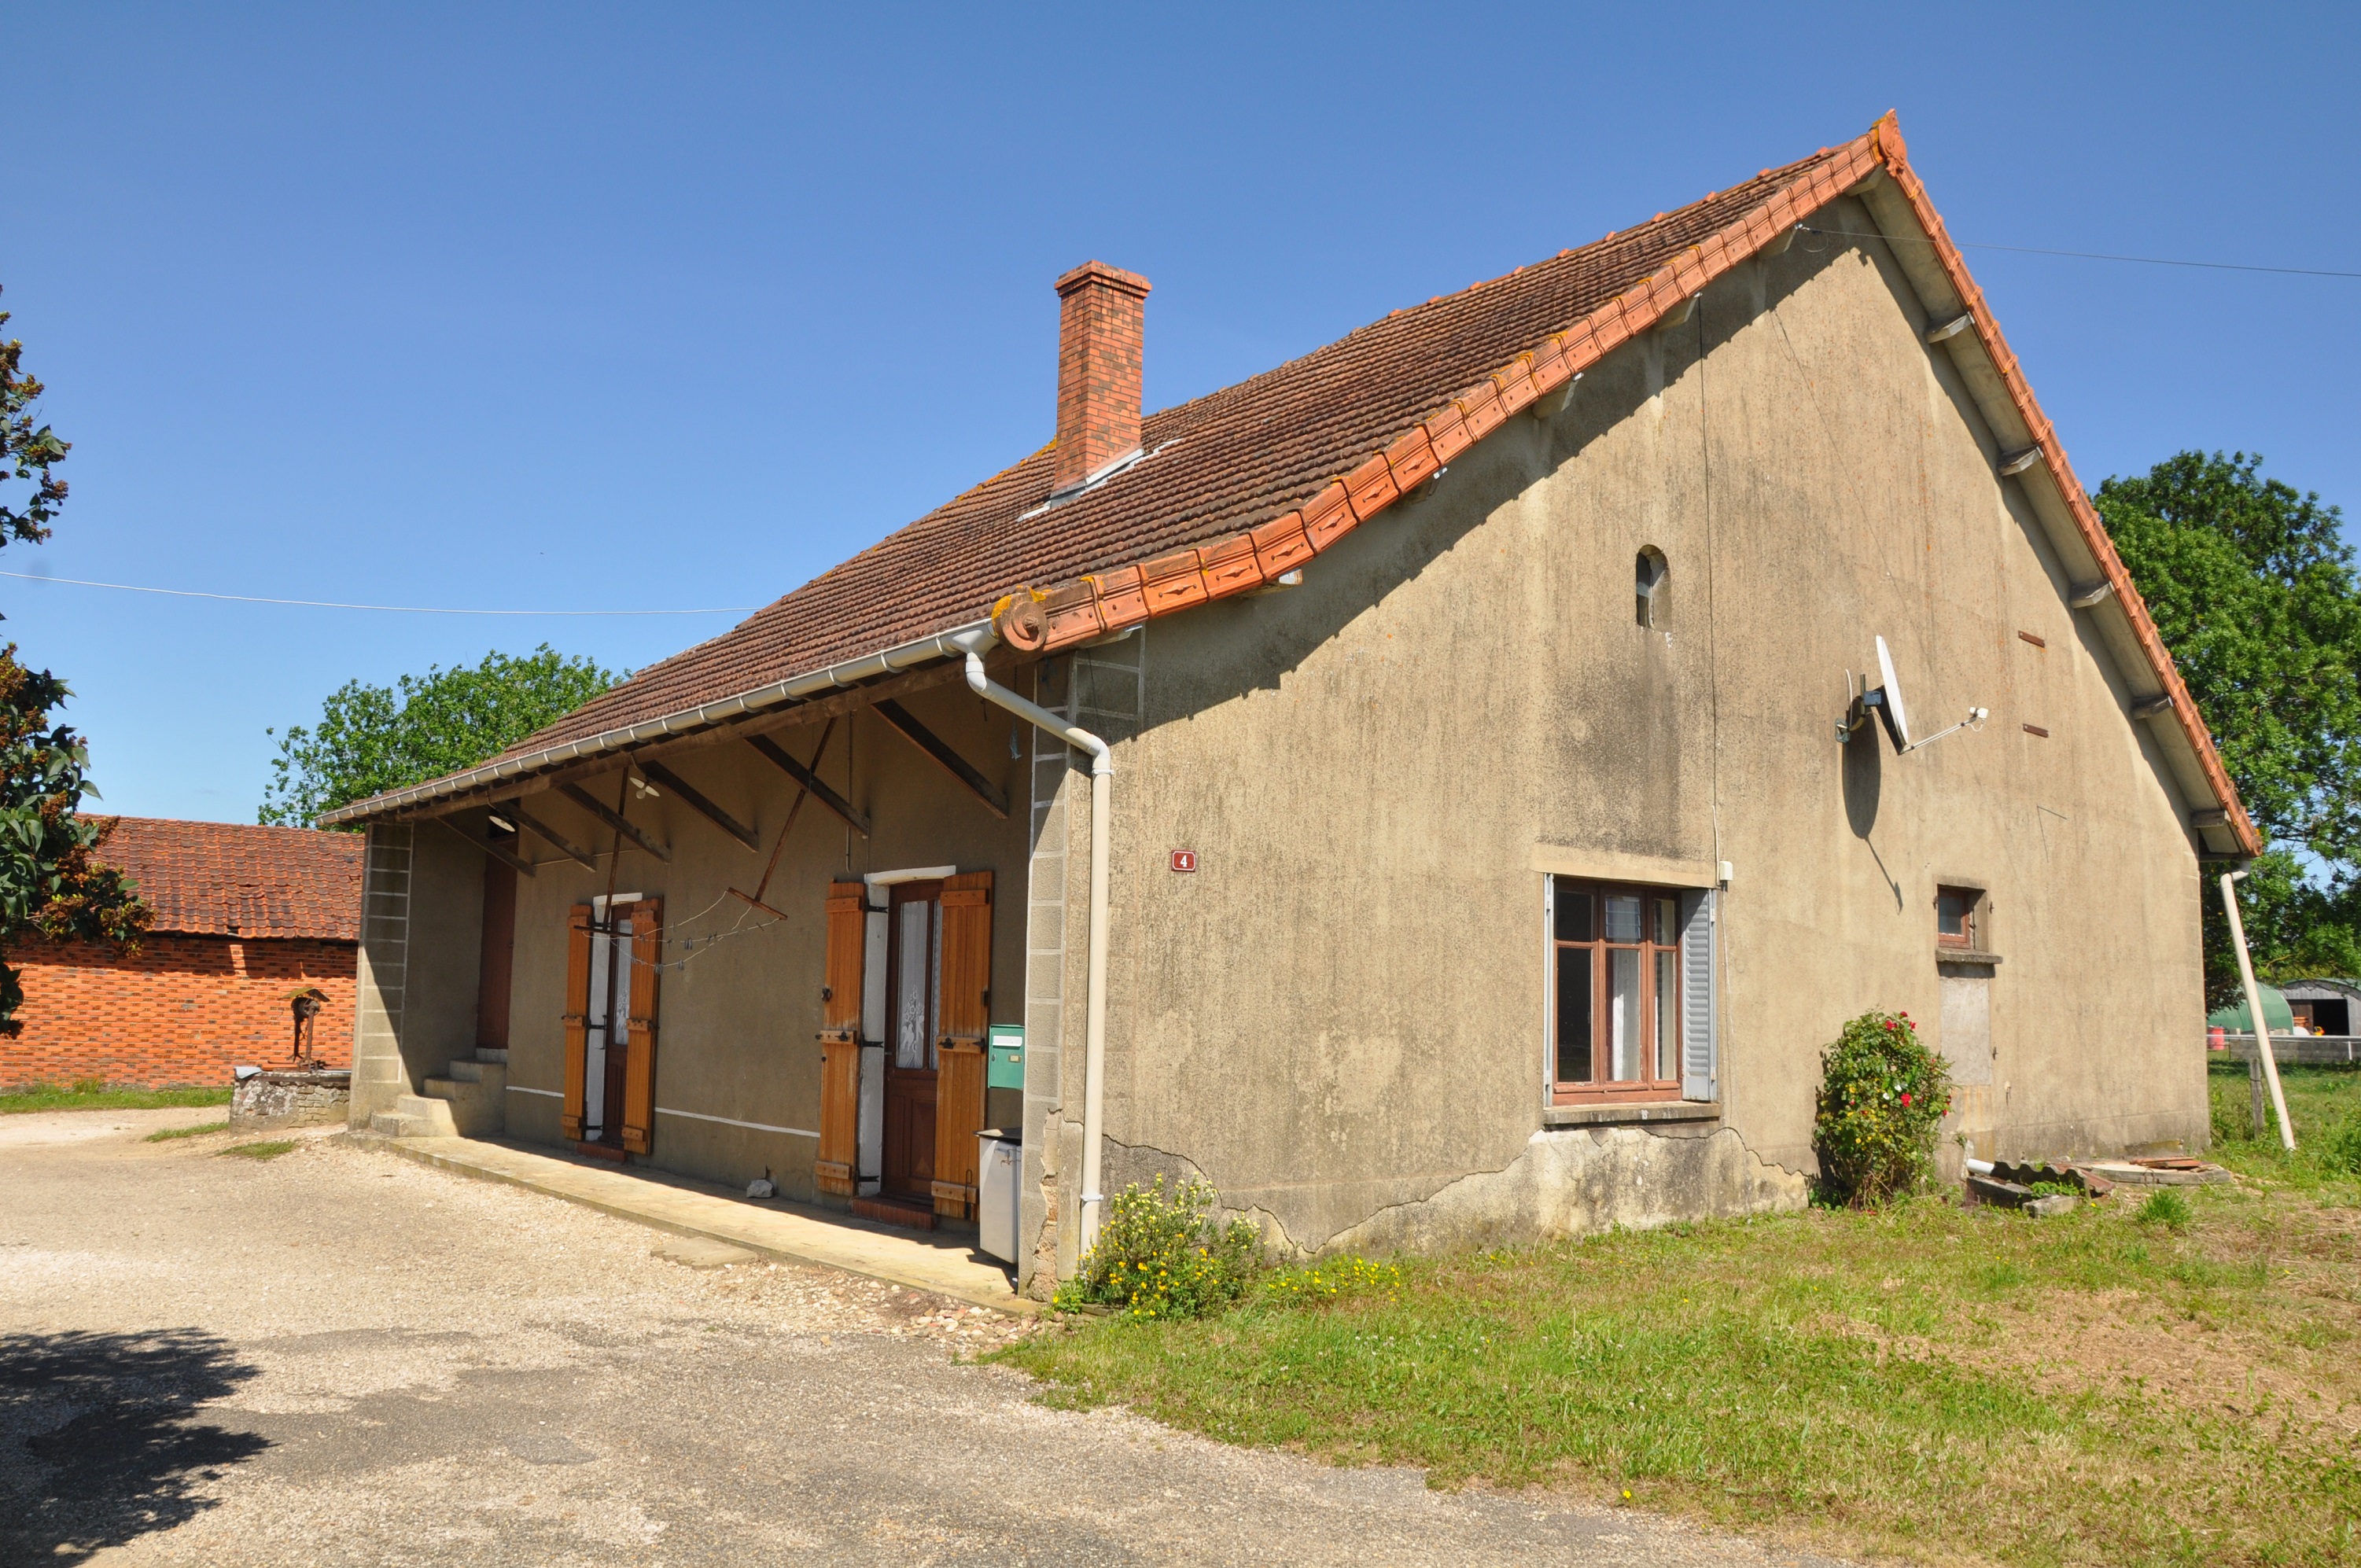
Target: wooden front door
912, 987
613, 961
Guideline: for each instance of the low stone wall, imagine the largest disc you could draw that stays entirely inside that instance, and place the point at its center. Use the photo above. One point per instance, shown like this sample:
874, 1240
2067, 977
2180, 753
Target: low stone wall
289, 1100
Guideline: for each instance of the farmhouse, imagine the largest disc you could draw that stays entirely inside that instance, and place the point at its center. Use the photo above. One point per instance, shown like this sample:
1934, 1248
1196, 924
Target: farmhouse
1442, 790
246, 917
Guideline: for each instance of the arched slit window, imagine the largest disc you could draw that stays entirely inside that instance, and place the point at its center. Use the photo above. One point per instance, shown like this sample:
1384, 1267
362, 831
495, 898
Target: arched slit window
1651, 571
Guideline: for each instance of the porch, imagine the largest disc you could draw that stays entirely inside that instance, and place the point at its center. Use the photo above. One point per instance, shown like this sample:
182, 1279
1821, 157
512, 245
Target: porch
683, 1206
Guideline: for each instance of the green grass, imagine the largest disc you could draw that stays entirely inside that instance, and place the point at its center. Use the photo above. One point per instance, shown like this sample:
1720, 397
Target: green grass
169, 1133
1932, 1382
93, 1094
2321, 1102
270, 1150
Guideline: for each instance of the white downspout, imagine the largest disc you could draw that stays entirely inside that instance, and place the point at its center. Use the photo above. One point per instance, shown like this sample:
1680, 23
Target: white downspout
1095, 1028
2255, 1006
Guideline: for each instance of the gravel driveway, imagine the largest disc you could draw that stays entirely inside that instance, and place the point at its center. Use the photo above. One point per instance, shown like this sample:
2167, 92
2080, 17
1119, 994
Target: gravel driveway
341, 1356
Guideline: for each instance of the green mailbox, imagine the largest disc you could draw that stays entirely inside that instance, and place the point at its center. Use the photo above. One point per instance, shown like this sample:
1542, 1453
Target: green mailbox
1006, 1051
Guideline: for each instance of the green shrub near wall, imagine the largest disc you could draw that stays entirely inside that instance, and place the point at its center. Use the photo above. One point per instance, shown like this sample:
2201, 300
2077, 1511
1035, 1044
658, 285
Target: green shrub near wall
1882, 1093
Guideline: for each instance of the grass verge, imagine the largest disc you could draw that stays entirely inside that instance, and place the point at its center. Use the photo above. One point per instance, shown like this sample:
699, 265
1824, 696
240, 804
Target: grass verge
1933, 1382
271, 1149
169, 1133
93, 1094
2319, 1100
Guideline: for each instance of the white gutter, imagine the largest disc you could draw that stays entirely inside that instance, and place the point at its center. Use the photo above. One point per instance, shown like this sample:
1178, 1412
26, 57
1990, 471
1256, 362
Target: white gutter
971, 638
1095, 1029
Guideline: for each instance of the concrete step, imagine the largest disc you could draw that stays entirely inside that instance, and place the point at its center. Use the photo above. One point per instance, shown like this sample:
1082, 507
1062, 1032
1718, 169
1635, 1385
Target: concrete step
475, 1109
429, 1117
493, 1073
486, 1053
394, 1125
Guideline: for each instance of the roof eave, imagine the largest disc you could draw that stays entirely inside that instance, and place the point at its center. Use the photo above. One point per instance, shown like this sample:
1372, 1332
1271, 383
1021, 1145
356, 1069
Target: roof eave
974, 637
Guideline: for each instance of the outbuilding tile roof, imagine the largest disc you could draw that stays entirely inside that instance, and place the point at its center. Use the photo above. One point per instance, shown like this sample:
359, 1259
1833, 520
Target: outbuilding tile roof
222, 879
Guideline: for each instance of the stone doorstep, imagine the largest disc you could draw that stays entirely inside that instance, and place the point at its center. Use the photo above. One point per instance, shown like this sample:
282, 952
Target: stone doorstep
703, 1211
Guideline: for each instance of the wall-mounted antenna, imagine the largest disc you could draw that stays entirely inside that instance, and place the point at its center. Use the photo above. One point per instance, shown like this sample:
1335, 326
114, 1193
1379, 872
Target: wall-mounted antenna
1885, 700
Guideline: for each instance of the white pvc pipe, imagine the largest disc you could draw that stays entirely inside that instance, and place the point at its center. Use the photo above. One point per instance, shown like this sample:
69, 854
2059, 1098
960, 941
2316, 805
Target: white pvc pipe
1095, 1026
2255, 1006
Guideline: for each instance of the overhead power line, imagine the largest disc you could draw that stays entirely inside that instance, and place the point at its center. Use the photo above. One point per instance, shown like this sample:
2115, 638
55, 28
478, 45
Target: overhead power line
331, 603
2095, 254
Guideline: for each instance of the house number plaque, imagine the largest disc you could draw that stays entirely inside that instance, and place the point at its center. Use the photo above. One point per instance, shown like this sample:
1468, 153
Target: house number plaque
1184, 860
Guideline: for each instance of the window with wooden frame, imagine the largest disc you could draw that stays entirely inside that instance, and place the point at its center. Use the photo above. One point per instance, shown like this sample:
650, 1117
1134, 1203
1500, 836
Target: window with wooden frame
1955, 917
1617, 985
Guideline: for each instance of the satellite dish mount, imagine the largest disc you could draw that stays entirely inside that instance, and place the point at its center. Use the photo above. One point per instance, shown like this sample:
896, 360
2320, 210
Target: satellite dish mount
1884, 699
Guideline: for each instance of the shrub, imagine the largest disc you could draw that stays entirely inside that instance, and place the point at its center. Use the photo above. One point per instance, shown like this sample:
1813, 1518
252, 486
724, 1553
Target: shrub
1163, 1254
1882, 1093
2340, 1149
2166, 1208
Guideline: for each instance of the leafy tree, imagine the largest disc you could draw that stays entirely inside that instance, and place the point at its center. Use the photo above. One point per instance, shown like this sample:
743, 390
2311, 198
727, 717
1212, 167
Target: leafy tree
373, 739
49, 880
26, 450
49, 883
2252, 586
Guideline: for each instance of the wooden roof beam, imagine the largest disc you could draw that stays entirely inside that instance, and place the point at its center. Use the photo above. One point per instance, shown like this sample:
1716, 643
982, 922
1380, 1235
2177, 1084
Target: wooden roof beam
853, 817
951, 762
613, 818
515, 862
540, 829
702, 807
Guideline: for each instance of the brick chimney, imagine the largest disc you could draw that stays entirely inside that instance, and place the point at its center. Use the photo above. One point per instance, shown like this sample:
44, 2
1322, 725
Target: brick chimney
1099, 315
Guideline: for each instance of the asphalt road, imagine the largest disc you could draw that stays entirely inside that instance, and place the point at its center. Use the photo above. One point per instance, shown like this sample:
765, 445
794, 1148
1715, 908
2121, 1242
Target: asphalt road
341, 1356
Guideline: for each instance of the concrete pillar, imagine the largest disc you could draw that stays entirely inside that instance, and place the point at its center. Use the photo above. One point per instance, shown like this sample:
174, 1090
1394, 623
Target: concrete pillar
378, 1076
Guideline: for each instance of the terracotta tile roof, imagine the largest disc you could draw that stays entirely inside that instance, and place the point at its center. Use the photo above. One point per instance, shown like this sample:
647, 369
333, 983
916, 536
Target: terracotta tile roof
1221, 464
1243, 484
224, 879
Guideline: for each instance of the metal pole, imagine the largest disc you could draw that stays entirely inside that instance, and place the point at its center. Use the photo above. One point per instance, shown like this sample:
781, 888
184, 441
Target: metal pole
2255, 1007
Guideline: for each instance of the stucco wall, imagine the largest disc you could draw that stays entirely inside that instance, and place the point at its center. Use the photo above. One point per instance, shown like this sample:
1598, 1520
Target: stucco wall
1340, 1017
1342, 1010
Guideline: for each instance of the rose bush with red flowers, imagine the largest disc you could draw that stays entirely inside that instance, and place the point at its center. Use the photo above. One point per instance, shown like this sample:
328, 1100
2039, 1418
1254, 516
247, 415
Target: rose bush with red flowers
1883, 1094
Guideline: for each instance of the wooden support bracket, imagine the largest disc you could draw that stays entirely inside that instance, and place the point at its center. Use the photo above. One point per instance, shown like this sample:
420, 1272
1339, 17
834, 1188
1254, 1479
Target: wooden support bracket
517, 863
852, 815
540, 829
933, 745
612, 818
702, 807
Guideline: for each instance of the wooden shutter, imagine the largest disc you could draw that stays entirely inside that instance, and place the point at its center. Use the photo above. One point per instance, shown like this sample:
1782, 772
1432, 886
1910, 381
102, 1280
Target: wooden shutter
964, 1011
839, 1050
577, 1018
639, 1066
839, 1013
1697, 1065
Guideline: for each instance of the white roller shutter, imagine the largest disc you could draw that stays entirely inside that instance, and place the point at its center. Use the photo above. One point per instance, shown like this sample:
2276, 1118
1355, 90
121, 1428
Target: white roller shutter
1699, 1062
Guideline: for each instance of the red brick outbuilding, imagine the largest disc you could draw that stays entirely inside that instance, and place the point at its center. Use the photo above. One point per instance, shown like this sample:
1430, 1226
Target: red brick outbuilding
245, 918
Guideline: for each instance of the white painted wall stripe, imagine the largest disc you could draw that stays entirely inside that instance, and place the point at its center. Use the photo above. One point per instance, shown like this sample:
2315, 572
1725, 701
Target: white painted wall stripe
733, 1122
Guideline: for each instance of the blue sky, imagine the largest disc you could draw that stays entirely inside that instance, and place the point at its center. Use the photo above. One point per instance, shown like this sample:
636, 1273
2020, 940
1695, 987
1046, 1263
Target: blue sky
584, 307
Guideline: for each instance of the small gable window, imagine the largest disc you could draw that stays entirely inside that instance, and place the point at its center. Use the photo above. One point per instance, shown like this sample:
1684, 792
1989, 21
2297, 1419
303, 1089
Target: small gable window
1649, 571
1955, 916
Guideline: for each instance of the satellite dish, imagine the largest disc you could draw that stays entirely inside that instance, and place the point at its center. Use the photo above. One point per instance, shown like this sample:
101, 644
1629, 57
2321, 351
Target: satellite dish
1896, 718
1885, 700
